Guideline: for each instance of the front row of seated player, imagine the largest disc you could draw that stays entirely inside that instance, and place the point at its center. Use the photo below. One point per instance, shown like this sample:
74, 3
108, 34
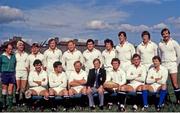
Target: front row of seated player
98, 81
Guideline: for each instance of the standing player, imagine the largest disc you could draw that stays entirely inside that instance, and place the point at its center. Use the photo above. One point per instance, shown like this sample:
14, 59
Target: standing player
21, 71
147, 49
125, 50
170, 56
156, 82
90, 54
108, 54
35, 54
136, 74
70, 56
51, 55
7, 69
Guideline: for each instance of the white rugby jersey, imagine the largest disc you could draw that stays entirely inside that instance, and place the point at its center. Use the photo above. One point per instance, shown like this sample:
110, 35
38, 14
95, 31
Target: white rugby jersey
77, 76
69, 58
147, 52
170, 51
21, 61
51, 56
136, 74
153, 74
125, 51
89, 56
57, 80
34, 76
118, 76
107, 57
31, 58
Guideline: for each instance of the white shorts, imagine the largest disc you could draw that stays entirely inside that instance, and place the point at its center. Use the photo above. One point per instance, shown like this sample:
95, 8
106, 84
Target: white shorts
21, 75
135, 85
155, 86
38, 89
77, 88
58, 89
171, 66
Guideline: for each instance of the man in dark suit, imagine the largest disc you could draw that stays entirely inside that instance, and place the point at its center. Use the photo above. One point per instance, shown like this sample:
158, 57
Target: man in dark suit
95, 81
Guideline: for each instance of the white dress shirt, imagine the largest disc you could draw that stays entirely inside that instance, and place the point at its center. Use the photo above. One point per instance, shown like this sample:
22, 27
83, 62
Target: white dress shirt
34, 76
118, 76
107, 57
153, 74
21, 61
89, 56
69, 58
170, 51
51, 56
136, 74
59, 80
147, 52
31, 58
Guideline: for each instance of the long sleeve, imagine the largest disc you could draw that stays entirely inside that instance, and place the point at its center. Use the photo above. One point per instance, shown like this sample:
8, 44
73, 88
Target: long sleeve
132, 50
53, 83
28, 62
123, 78
45, 58
164, 76
177, 49
31, 80
64, 82
155, 50
45, 82
63, 60
143, 75
130, 75
150, 77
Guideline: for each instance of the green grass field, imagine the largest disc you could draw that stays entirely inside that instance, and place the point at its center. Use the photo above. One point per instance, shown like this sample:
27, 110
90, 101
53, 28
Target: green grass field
169, 107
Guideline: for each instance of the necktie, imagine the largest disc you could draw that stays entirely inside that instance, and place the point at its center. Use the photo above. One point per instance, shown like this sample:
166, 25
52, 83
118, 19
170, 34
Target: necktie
96, 72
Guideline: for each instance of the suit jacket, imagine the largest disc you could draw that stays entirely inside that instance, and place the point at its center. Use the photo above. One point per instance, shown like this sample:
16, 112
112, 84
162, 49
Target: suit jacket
92, 77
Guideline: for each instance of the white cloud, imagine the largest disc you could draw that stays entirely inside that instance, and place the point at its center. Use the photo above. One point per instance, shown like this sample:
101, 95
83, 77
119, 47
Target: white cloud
144, 1
97, 25
9, 14
159, 26
175, 21
132, 28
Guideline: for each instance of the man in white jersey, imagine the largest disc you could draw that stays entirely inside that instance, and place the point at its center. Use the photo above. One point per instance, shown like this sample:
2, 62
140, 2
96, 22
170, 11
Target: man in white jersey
35, 54
38, 81
170, 56
108, 54
115, 79
57, 83
147, 49
136, 75
21, 71
70, 56
77, 79
125, 50
156, 82
51, 55
90, 54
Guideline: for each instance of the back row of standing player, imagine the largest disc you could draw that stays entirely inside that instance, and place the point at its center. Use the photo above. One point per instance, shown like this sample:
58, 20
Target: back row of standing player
168, 49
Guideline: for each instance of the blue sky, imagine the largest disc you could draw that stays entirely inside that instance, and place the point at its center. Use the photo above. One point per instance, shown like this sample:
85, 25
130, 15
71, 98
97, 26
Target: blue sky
37, 20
